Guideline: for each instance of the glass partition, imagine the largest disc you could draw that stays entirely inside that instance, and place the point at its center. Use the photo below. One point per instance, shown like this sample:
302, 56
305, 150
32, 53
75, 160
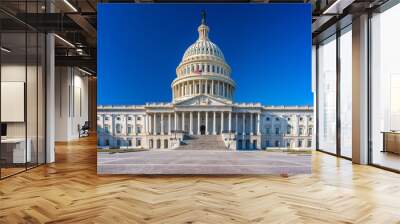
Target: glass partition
385, 89
346, 92
13, 106
22, 92
327, 95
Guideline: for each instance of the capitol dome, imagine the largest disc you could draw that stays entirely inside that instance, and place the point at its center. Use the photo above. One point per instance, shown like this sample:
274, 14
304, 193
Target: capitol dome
203, 70
203, 47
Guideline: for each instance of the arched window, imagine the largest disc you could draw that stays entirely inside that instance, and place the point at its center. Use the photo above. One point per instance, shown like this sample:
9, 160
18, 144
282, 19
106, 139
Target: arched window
208, 68
301, 130
217, 69
289, 130
129, 129
107, 128
213, 68
118, 128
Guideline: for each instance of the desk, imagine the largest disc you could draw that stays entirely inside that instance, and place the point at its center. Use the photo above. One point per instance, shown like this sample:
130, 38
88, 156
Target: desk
13, 150
391, 141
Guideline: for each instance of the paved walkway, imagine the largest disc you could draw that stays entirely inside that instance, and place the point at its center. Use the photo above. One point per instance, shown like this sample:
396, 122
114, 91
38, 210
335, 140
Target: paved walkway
202, 162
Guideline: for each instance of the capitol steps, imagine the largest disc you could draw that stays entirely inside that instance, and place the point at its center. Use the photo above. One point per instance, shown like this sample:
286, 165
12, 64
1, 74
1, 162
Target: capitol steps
203, 142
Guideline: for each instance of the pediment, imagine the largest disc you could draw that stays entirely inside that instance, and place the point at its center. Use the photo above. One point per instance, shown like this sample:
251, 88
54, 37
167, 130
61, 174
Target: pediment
203, 100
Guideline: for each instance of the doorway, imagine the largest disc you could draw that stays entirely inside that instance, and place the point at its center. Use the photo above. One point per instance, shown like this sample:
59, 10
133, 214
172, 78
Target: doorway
202, 130
165, 144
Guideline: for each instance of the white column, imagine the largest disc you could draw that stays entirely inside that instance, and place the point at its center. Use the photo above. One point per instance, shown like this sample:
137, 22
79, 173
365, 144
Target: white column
145, 124
183, 121
222, 121
126, 124
198, 122
251, 123
212, 87
50, 94
244, 124
134, 125
149, 123
236, 123
175, 122
223, 89
200, 86
162, 123
258, 124
154, 124
206, 122
169, 123
214, 122
230, 121
360, 90
191, 123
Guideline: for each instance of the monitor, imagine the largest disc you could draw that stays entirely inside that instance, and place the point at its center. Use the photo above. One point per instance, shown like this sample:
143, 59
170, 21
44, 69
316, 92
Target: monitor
3, 129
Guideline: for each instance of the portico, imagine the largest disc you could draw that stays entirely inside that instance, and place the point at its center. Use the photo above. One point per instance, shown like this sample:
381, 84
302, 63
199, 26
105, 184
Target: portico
203, 122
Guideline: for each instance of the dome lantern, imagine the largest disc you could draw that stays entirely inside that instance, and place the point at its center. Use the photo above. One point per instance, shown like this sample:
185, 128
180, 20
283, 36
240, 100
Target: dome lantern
203, 28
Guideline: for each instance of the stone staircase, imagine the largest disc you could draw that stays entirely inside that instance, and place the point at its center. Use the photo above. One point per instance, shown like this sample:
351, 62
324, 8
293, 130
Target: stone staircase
203, 142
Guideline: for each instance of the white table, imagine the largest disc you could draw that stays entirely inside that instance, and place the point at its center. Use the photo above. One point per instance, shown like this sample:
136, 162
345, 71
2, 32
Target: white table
19, 153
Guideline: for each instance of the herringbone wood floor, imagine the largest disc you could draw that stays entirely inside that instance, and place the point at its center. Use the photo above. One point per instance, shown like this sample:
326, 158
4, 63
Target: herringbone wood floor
70, 191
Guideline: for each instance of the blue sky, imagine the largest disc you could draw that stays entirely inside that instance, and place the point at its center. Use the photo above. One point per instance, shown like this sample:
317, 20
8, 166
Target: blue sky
268, 47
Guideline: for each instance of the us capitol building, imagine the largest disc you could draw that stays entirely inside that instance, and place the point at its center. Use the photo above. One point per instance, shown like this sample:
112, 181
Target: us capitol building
203, 114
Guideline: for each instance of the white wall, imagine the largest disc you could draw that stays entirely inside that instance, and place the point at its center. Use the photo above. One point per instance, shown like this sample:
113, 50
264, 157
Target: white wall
71, 103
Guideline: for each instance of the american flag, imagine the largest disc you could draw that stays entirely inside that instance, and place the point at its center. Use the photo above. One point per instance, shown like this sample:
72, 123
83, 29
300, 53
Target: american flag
198, 71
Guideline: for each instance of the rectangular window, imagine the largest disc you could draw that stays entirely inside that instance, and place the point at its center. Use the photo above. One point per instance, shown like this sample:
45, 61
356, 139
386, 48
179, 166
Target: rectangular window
299, 143
385, 88
309, 143
327, 95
